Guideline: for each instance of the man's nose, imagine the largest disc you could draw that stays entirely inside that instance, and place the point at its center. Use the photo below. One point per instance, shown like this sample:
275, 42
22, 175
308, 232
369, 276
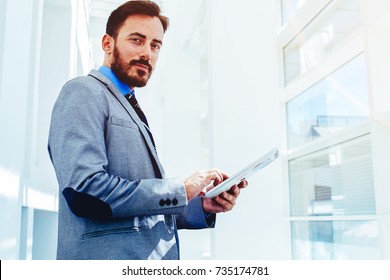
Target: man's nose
145, 53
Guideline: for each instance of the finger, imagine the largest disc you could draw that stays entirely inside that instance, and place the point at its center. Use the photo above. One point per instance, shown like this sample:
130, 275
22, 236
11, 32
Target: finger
224, 204
210, 186
231, 195
224, 175
218, 176
243, 184
226, 200
235, 191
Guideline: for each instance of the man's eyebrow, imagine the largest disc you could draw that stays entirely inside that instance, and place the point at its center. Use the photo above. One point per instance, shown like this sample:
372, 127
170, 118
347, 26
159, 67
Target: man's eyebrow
138, 34
157, 41
144, 36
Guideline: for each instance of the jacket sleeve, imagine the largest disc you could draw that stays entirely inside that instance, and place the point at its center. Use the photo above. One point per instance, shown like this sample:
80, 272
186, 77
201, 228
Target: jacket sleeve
77, 148
194, 217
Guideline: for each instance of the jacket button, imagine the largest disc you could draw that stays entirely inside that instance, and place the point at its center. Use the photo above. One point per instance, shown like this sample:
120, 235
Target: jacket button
175, 201
162, 202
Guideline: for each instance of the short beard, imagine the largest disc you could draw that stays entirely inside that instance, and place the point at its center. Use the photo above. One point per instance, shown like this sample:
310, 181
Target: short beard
120, 68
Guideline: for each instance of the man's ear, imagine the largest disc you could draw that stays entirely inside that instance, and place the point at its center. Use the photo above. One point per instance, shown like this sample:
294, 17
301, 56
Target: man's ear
107, 43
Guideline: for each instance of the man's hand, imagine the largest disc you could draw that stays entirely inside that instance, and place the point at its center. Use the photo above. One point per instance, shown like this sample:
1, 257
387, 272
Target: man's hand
201, 179
225, 201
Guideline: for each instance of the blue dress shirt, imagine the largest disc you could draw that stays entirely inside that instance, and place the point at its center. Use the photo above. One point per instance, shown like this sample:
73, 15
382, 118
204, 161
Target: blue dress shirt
123, 88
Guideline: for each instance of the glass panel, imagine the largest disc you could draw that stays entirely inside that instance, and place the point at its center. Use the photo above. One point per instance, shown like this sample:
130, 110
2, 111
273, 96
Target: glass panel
290, 9
338, 101
327, 240
334, 181
321, 38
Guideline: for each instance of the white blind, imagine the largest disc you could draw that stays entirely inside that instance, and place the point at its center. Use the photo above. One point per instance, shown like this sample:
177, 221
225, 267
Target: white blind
334, 181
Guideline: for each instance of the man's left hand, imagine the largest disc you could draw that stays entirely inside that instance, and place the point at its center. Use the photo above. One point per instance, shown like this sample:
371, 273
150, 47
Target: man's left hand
225, 201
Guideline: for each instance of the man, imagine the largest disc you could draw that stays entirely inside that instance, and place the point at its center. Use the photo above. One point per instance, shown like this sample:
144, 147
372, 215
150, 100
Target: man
115, 200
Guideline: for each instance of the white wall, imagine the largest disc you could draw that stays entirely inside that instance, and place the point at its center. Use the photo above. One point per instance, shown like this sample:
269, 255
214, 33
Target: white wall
247, 116
377, 39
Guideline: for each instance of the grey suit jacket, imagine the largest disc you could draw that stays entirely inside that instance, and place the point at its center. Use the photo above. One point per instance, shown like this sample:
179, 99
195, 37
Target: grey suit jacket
115, 201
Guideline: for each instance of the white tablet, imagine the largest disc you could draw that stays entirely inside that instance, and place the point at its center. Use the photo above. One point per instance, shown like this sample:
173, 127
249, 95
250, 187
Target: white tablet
243, 174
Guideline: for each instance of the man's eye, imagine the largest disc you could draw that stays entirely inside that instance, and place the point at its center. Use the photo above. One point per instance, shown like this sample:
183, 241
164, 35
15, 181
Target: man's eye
135, 40
156, 47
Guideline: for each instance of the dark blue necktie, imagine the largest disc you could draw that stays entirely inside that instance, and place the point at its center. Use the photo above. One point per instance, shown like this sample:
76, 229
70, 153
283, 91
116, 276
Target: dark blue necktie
134, 103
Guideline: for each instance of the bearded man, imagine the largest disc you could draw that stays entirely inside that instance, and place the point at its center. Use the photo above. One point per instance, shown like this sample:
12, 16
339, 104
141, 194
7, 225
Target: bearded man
115, 199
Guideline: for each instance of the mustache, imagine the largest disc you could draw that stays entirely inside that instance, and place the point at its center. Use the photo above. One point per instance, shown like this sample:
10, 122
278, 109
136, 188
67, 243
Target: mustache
141, 61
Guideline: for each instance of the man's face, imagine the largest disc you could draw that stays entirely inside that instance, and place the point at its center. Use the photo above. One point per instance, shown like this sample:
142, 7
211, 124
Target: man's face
136, 49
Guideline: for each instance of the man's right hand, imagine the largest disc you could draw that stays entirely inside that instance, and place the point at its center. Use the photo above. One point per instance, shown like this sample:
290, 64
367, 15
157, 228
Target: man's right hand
201, 179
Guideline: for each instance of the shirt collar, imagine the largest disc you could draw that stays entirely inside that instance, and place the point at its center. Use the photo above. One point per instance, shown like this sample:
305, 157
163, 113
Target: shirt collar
122, 87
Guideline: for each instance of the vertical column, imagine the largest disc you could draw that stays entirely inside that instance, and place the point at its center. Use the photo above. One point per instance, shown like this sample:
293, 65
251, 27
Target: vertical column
14, 90
54, 69
3, 6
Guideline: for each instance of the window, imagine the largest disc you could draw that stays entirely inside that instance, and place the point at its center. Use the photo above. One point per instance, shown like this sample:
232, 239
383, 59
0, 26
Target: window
338, 101
333, 181
330, 141
338, 239
320, 38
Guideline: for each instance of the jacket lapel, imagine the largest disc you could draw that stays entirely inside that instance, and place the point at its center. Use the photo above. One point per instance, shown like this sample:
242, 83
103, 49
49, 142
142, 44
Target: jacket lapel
125, 104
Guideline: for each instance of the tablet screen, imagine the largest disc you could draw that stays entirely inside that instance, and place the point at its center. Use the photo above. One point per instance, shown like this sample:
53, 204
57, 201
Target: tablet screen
244, 173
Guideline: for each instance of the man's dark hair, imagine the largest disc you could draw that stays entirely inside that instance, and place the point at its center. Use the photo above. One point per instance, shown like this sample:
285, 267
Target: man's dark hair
134, 7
